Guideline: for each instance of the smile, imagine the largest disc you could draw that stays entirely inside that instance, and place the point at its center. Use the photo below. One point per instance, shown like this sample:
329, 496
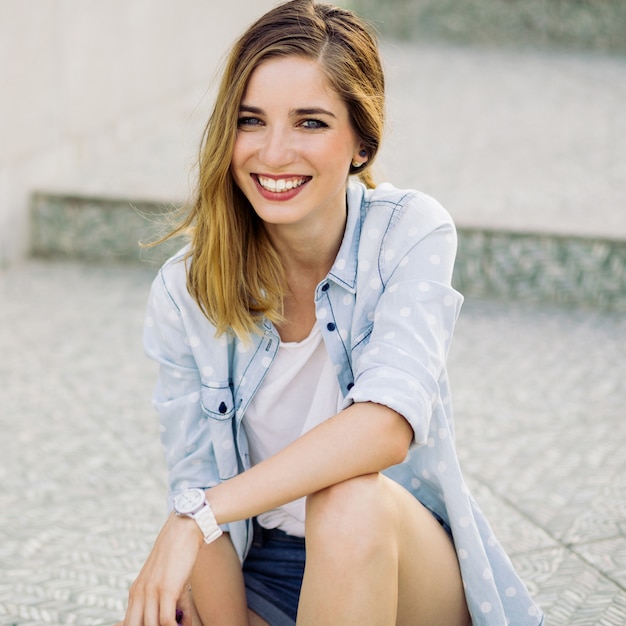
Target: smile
281, 185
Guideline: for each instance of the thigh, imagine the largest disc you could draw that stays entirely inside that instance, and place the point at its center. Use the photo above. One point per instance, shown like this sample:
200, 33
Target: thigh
255, 620
376, 555
430, 588
217, 587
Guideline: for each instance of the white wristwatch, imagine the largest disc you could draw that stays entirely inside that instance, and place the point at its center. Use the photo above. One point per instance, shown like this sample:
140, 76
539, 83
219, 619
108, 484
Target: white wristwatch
193, 503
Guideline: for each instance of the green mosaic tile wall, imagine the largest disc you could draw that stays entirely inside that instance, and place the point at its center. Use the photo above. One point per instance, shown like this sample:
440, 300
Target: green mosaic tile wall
566, 24
535, 267
99, 229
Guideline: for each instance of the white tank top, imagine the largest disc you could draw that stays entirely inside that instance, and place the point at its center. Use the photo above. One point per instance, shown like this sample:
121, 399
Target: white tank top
299, 392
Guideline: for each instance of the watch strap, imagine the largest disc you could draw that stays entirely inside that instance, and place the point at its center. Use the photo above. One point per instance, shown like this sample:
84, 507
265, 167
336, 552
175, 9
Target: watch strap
208, 524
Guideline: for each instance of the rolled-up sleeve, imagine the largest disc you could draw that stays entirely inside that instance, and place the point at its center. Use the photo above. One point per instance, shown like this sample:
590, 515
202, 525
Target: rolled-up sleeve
403, 364
186, 433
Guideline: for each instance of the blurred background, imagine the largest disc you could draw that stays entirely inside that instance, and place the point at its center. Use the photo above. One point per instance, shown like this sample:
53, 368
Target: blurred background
87, 87
509, 112
566, 24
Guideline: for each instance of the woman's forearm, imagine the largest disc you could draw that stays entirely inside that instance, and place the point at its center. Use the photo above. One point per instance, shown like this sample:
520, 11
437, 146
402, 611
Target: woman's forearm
363, 439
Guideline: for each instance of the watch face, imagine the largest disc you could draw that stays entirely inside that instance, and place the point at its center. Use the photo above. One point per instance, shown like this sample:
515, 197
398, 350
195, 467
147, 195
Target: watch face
189, 501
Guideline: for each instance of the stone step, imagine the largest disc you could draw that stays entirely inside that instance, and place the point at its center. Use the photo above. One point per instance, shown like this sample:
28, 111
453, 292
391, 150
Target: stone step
102, 229
542, 267
525, 266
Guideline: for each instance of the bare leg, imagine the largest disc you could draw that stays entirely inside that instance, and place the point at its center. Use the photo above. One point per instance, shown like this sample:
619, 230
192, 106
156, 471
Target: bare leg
255, 620
376, 556
217, 588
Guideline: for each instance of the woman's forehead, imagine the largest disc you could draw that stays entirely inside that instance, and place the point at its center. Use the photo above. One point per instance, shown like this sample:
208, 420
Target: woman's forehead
295, 79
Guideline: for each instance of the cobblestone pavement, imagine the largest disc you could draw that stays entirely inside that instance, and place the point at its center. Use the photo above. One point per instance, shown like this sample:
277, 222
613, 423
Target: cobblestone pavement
540, 399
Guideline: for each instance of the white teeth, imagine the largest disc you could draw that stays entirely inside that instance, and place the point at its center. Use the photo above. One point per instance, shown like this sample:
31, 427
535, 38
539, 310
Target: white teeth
282, 184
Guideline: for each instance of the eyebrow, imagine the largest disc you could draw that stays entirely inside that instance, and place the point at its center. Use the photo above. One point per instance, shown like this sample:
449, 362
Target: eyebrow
245, 108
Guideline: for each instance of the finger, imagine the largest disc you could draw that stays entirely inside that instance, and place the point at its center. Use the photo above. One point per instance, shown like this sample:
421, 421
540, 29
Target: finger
167, 610
151, 614
134, 611
183, 607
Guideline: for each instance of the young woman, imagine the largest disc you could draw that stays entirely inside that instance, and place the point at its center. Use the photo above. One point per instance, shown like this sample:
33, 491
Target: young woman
302, 339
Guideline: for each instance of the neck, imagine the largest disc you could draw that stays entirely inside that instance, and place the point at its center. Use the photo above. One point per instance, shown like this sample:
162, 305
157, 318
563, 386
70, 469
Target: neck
310, 254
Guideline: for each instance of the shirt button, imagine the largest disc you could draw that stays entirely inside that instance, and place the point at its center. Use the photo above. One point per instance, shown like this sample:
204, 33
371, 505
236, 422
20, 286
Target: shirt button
223, 408
330, 326
325, 287
350, 385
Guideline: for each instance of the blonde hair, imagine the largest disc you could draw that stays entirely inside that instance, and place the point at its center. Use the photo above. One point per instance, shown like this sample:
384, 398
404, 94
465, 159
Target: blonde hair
235, 274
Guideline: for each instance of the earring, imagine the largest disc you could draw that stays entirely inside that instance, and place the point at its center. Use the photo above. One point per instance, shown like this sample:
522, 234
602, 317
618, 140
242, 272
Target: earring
363, 155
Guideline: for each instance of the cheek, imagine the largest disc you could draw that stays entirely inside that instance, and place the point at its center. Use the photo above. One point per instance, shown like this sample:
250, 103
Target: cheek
238, 158
341, 156
347, 147
330, 154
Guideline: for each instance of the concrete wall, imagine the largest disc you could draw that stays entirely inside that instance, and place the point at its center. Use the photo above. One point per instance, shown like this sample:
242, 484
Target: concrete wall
78, 77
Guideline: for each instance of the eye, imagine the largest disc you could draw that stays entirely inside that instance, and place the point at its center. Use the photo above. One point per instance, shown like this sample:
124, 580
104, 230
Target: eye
313, 124
248, 121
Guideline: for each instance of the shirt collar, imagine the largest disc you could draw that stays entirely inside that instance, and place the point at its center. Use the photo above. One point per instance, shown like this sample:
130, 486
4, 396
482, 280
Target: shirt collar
344, 268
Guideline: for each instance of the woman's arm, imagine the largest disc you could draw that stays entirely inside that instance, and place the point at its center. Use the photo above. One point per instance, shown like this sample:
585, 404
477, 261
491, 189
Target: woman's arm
362, 439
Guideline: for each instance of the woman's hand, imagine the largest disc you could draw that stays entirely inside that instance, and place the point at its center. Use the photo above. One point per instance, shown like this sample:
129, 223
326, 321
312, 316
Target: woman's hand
156, 593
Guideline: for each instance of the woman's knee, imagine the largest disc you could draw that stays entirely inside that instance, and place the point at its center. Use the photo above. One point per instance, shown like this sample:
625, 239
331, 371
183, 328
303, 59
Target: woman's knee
356, 514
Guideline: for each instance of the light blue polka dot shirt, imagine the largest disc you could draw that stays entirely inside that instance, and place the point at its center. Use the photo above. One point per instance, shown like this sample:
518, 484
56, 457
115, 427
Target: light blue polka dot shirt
387, 313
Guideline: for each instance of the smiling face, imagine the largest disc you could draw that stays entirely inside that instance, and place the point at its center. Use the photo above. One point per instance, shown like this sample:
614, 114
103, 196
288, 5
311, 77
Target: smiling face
294, 147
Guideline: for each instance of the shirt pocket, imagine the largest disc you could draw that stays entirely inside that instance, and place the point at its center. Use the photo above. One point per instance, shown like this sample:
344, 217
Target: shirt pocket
218, 408
217, 401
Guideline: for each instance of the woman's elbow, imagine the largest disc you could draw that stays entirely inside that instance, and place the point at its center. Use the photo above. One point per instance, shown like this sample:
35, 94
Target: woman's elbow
398, 436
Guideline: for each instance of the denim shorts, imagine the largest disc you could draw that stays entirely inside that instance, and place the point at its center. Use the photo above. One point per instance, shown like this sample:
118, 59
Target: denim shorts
273, 572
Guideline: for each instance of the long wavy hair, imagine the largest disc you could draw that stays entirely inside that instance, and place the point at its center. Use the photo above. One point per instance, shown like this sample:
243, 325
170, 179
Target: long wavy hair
234, 272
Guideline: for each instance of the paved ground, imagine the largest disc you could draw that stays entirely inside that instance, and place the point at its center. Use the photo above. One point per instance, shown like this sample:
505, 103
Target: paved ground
540, 399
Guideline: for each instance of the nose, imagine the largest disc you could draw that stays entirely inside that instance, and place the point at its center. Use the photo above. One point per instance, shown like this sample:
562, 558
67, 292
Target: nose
277, 148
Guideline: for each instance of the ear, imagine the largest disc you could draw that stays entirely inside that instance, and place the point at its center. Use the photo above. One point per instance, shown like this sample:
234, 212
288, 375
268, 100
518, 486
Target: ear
361, 158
